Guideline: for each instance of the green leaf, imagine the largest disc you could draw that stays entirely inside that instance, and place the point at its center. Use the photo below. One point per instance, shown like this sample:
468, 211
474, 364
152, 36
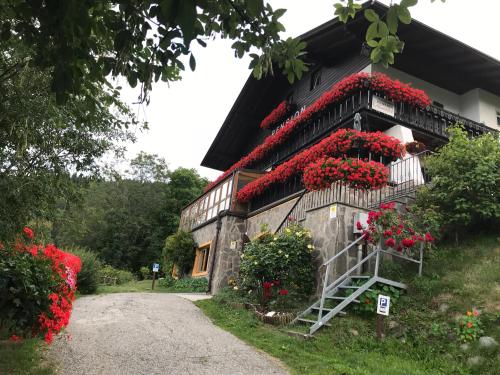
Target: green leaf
372, 43
375, 56
372, 32
404, 15
192, 62
408, 3
254, 7
392, 19
186, 18
371, 15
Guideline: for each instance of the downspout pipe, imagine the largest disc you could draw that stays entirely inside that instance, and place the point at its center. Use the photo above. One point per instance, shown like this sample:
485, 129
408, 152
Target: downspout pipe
214, 257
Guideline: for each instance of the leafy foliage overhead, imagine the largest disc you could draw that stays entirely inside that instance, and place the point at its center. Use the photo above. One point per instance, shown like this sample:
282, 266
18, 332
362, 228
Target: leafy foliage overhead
84, 42
42, 143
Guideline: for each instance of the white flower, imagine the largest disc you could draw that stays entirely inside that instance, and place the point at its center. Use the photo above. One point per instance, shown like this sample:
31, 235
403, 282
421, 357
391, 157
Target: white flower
275, 238
242, 256
280, 252
299, 234
310, 246
235, 287
286, 255
255, 263
287, 230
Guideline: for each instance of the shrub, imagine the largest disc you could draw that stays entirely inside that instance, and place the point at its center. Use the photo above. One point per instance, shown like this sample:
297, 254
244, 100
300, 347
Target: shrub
88, 278
145, 273
279, 266
465, 179
180, 250
38, 284
368, 300
109, 275
199, 284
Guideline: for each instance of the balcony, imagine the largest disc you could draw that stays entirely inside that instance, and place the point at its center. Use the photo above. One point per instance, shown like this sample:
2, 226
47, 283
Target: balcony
378, 113
221, 197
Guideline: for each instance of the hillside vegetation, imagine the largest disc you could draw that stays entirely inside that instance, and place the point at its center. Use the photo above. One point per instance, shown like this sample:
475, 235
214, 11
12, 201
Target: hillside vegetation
421, 336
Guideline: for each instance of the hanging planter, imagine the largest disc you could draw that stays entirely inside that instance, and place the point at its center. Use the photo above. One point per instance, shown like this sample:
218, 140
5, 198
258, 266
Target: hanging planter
415, 147
355, 173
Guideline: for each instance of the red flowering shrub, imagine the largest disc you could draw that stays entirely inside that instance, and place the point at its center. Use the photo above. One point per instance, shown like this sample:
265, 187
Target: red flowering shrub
338, 144
393, 89
276, 115
394, 230
38, 285
356, 173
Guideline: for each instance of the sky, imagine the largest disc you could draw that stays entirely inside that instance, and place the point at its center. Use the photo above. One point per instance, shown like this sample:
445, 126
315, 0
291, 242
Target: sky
185, 116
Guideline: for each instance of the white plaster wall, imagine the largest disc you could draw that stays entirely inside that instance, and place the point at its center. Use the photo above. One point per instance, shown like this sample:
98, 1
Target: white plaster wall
450, 100
489, 105
469, 104
477, 104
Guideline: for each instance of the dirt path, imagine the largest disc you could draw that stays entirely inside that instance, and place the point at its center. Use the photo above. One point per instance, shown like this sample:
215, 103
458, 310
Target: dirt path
142, 333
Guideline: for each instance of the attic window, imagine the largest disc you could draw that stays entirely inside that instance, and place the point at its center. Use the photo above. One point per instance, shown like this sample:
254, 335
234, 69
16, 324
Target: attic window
315, 79
498, 117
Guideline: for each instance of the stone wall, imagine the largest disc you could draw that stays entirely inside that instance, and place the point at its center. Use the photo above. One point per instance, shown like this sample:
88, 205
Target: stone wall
330, 236
272, 217
230, 245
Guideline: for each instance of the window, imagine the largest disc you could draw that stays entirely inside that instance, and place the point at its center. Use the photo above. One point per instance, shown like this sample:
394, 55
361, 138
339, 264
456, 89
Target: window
437, 104
315, 79
498, 118
200, 266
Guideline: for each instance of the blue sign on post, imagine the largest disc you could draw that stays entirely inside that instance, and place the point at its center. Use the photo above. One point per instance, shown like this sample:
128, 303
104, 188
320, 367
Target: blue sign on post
156, 267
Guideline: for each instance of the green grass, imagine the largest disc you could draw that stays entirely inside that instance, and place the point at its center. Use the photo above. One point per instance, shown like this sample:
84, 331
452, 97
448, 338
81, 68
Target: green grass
26, 358
142, 286
463, 277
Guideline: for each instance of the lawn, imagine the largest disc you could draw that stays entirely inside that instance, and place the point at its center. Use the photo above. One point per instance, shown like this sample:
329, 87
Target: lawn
456, 279
24, 358
180, 286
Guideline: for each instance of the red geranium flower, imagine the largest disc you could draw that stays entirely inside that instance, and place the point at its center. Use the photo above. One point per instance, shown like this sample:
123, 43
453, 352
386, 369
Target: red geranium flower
283, 292
28, 232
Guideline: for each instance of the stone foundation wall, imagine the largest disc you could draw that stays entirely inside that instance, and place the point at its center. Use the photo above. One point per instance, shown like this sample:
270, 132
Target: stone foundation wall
272, 217
330, 236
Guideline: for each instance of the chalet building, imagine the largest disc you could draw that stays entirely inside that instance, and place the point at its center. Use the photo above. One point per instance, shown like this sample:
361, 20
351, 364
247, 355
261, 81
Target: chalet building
463, 85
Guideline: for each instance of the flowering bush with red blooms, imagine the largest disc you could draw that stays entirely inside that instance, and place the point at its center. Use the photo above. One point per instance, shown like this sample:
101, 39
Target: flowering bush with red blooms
39, 282
340, 143
276, 115
356, 173
393, 89
394, 230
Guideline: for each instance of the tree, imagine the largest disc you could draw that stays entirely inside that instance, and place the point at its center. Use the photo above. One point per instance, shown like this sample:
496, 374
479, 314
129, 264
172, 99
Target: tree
465, 186
126, 220
84, 42
44, 145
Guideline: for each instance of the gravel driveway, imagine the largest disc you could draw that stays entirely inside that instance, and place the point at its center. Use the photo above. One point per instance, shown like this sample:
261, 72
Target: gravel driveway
144, 333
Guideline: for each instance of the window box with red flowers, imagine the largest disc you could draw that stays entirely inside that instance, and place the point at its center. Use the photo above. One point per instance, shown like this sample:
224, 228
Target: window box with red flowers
392, 89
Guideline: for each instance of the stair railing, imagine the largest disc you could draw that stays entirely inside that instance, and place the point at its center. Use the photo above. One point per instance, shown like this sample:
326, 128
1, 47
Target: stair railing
327, 287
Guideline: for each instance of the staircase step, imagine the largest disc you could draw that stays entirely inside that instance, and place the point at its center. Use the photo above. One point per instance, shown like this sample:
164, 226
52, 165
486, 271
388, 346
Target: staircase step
312, 321
353, 287
328, 310
341, 299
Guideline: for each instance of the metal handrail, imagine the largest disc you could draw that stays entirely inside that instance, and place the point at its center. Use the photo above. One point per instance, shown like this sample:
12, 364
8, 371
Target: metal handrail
344, 250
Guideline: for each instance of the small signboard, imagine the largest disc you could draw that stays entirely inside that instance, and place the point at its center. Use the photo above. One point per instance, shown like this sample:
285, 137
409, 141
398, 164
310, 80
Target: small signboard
232, 245
333, 211
382, 105
383, 304
156, 267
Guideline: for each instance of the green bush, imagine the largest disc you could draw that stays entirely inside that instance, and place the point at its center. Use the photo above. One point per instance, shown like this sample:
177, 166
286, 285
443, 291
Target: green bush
283, 260
109, 275
25, 284
465, 182
88, 278
199, 284
179, 250
145, 273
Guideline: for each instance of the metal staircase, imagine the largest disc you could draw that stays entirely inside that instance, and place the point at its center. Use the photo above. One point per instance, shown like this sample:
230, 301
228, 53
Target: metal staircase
334, 299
